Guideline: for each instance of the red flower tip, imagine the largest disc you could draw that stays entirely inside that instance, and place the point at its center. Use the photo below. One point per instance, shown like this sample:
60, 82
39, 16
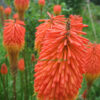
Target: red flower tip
41, 2
1, 8
57, 9
15, 16
21, 5
4, 69
7, 11
21, 65
92, 63
33, 58
84, 95
13, 35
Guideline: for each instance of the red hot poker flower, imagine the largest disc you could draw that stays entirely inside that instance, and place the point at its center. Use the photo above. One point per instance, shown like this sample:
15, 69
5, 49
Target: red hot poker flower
57, 9
4, 69
21, 65
42, 29
60, 67
21, 5
14, 34
77, 24
13, 41
41, 2
7, 11
15, 16
92, 63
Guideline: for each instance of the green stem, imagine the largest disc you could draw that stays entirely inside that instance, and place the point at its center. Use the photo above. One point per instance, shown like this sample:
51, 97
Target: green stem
4, 87
2, 17
22, 84
14, 88
26, 76
41, 9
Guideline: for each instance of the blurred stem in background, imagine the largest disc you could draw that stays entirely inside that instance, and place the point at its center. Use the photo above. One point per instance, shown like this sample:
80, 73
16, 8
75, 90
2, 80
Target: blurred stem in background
91, 18
26, 75
2, 15
4, 87
22, 84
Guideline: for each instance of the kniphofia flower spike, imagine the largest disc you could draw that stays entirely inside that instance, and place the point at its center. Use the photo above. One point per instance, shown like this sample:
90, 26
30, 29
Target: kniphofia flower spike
43, 28
41, 2
7, 11
57, 9
21, 6
92, 63
13, 41
60, 67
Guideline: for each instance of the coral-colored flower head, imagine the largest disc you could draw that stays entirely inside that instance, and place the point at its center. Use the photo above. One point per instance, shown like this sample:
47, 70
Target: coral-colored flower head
41, 2
43, 28
7, 11
60, 67
21, 65
92, 63
4, 69
15, 16
77, 24
13, 35
21, 5
57, 9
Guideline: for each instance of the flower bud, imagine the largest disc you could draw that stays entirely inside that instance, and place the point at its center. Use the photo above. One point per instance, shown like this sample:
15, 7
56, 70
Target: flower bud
7, 12
41, 3
57, 9
21, 65
4, 69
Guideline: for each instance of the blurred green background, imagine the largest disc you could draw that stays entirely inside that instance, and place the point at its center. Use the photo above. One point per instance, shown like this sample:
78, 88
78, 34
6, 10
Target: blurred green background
25, 79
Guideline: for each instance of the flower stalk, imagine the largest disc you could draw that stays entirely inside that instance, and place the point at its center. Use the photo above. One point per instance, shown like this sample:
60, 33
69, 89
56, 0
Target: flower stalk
4, 87
2, 15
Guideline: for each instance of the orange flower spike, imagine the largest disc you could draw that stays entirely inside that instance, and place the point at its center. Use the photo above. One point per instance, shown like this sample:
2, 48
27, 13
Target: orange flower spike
21, 6
15, 16
14, 34
77, 24
4, 69
7, 12
92, 63
57, 9
60, 67
41, 2
42, 29
21, 65
13, 41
